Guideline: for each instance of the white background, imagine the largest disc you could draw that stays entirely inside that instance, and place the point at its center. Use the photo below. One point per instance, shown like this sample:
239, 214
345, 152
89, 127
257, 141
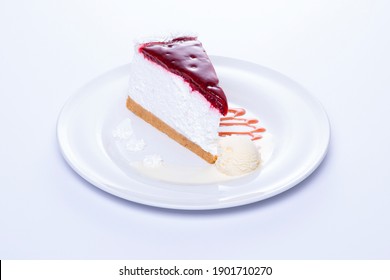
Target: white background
339, 50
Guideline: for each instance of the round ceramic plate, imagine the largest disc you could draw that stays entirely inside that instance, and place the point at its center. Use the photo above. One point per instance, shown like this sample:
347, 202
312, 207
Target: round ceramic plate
296, 120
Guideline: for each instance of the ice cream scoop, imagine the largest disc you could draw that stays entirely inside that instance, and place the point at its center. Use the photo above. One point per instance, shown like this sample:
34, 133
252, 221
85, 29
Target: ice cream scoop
237, 155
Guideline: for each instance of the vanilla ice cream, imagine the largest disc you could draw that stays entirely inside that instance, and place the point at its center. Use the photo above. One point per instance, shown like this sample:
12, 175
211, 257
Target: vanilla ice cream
237, 155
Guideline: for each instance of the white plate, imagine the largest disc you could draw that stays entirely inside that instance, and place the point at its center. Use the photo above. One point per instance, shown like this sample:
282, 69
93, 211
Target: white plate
297, 121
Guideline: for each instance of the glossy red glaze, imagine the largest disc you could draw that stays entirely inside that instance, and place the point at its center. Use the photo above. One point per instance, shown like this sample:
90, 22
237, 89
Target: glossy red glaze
185, 56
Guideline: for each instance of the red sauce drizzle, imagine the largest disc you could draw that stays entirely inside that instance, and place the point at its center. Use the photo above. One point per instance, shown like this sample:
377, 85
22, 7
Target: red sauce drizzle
235, 118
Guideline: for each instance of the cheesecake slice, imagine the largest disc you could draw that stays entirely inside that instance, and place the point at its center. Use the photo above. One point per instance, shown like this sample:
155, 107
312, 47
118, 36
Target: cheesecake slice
174, 87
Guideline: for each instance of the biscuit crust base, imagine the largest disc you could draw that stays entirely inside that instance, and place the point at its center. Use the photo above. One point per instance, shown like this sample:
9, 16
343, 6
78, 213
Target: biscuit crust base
172, 133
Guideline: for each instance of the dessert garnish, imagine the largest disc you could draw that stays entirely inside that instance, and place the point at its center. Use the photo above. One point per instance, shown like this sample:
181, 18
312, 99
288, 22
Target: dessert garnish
237, 155
235, 118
